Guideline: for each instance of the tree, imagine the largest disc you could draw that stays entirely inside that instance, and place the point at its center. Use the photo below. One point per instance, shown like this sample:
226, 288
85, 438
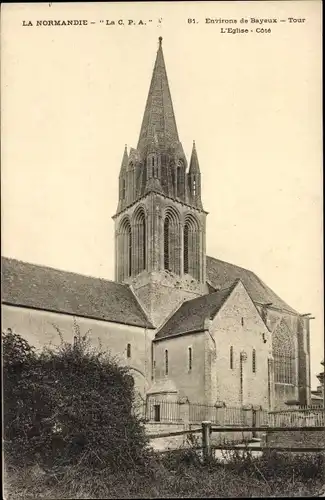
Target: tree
68, 404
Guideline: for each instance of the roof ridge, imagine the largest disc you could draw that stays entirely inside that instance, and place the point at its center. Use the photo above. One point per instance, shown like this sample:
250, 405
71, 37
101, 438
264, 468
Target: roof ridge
229, 291
3, 258
266, 286
41, 287
214, 263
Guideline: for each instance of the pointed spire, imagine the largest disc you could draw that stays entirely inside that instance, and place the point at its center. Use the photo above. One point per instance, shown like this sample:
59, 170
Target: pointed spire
194, 163
125, 160
159, 118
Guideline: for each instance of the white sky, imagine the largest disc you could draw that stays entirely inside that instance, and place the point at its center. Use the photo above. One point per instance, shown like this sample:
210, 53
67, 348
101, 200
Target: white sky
73, 96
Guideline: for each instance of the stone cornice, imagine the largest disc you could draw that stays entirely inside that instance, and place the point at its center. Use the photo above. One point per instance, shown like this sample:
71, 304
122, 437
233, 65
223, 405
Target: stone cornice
175, 200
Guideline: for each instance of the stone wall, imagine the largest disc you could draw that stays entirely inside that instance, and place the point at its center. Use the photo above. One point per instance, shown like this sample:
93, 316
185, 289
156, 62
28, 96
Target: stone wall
299, 328
38, 328
161, 293
238, 324
190, 383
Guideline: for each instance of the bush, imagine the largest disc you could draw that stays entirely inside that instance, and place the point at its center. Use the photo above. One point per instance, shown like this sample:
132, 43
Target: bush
68, 405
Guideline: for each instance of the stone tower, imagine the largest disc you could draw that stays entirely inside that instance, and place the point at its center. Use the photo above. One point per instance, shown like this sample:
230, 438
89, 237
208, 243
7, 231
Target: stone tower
160, 222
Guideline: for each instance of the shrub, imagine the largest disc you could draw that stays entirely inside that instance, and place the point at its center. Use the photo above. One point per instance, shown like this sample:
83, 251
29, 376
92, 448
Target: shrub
69, 405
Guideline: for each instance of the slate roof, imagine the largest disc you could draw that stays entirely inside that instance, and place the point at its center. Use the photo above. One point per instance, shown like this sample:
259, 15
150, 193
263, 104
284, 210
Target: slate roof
191, 315
38, 287
220, 274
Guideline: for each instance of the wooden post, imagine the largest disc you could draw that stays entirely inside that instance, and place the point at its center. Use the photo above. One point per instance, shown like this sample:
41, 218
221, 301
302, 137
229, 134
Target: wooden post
206, 445
254, 422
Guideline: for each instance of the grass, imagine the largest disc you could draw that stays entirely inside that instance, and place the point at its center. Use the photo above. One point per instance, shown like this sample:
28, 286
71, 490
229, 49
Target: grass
177, 475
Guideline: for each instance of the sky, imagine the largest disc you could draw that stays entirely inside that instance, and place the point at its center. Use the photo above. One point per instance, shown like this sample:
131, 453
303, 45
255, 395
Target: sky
73, 96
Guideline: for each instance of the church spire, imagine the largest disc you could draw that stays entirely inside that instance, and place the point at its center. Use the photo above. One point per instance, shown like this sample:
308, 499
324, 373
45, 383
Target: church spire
159, 119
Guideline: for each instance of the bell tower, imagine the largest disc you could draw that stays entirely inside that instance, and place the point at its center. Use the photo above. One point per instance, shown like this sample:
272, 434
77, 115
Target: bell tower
160, 223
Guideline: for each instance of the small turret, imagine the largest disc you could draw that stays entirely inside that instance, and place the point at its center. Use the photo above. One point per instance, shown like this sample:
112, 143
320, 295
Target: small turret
194, 179
123, 179
125, 161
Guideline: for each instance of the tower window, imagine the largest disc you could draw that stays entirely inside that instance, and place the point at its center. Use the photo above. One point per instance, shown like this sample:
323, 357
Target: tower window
166, 243
166, 362
194, 187
129, 251
128, 351
172, 241
191, 247
125, 250
242, 322
190, 358
153, 161
139, 241
144, 242
231, 357
186, 249
254, 361
123, 189
179, 180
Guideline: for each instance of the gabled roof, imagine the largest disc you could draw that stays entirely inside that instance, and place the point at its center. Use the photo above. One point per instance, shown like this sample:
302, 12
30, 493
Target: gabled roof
191, 315
45, 288
220, 274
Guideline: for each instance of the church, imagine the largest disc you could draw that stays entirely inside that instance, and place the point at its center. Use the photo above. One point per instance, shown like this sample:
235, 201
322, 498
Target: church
187, 324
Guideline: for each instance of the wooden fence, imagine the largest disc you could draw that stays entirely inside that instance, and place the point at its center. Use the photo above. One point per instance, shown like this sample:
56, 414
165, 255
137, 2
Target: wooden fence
207, 447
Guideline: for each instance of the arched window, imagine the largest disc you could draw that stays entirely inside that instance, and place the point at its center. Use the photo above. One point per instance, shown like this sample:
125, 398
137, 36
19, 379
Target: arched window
172, 247
143, 242
190, 358
166, 362
186, 249
128, 350
140, 241
179, 181
125, 250
129, 237
180, 172
254, 361
191, 247
153, 168
231, 357
123, 189
166, 243
284, 355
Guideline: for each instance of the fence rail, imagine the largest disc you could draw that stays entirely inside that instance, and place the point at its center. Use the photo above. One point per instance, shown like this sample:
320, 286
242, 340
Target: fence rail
165, 412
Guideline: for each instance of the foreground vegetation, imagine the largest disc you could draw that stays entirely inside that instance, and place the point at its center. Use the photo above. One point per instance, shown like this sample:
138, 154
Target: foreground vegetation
70, 432
176, 476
